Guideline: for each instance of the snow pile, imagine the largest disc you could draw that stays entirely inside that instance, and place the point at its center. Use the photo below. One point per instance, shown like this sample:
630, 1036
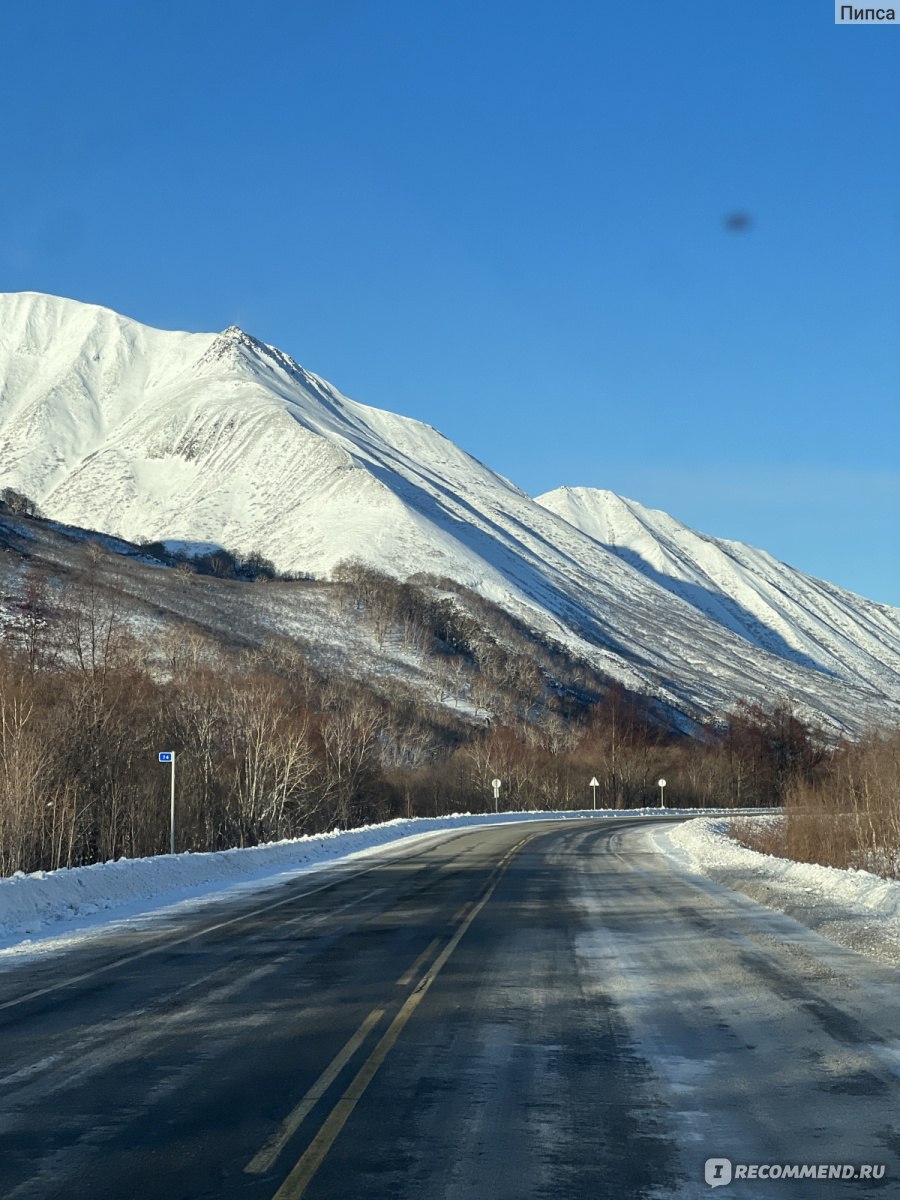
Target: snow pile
51, 903
852, 907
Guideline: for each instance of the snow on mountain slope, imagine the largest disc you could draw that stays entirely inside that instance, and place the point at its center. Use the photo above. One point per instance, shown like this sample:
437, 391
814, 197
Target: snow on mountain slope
70, 373
219, 439
748, 591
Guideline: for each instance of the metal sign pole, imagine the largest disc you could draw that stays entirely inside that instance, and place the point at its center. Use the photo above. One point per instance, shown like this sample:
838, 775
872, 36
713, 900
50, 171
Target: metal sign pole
495, 784
172, 812
168, 756
593, 785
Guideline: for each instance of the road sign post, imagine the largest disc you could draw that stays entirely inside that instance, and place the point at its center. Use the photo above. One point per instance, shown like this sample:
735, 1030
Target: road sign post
168, 756
593, 785
662, 793
495, 784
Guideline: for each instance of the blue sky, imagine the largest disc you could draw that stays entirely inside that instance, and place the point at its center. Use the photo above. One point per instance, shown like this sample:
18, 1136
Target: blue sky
506, 219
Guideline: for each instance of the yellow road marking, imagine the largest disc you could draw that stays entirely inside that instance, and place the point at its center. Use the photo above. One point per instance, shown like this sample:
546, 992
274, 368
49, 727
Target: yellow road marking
409, 975
299, 1178
266, 1157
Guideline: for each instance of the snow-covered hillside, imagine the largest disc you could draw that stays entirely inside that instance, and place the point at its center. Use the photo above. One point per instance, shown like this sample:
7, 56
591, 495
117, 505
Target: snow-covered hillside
746, 590
218, 439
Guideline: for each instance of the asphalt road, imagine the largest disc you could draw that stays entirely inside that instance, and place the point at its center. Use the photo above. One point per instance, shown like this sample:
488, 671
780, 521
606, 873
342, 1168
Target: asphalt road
541, 1010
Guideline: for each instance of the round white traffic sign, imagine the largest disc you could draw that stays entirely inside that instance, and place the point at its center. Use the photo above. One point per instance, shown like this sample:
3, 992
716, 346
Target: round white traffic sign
495, 783
662, 783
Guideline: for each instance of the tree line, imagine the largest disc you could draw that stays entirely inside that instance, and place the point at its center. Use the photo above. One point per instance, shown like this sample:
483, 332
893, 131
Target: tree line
270, 746
846, 813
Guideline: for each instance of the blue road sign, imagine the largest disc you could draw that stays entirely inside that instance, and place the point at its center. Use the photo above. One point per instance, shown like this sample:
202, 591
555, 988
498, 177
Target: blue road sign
165, 756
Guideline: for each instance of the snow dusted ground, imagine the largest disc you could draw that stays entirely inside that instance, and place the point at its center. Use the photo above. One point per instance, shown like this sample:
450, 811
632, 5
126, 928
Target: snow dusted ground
48, 910
854, 908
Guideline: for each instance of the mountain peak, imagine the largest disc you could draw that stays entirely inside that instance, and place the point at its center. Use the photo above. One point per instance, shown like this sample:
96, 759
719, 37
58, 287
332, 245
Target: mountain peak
233, 348
221, 439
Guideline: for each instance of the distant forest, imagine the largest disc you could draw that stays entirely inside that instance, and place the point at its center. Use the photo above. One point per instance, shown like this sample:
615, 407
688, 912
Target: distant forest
268, 746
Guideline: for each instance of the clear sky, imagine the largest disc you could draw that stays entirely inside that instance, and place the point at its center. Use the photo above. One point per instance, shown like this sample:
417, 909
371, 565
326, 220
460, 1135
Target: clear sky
507, 219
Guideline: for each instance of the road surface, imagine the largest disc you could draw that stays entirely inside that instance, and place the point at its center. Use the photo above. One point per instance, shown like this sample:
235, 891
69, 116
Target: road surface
538, 1010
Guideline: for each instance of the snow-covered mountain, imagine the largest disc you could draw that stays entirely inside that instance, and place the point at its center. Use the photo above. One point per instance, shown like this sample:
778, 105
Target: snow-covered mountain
746, 590
218, 439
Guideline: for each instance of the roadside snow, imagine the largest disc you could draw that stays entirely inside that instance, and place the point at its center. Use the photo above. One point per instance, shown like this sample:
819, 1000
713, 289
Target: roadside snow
48, 909
854, 908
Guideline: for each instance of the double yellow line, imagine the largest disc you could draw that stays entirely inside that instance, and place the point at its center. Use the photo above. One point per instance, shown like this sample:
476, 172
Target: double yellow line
308, 1164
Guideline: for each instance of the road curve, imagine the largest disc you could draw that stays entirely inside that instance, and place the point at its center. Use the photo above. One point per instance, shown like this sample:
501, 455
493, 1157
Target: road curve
539, 1010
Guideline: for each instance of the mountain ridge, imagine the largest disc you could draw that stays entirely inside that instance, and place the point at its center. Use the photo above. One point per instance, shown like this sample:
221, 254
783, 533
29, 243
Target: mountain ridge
222, 439
743, 587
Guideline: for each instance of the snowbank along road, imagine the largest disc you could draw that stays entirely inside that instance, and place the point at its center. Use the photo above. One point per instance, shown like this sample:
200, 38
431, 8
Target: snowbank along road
549, 1009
